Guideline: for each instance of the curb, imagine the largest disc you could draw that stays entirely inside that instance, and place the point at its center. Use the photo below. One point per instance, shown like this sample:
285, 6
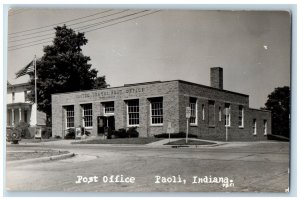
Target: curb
41, 159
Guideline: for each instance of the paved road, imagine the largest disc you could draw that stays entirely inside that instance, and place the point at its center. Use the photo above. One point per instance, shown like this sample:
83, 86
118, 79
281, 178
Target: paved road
252, 167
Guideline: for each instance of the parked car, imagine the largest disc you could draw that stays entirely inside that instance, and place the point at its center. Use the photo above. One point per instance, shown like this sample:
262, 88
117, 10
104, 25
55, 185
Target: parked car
13, 135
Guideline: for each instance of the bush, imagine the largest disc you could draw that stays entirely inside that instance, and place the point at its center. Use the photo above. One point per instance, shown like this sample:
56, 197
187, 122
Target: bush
70, 134
121, 133
47, 133
174, 135
132, 132
22, 127
86, 132
57, 137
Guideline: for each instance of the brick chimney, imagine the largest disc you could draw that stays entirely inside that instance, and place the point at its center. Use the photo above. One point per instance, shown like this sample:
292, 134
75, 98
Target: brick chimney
216, 77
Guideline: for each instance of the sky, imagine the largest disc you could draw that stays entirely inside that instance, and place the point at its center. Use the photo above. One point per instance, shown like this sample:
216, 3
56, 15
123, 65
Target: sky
252, 47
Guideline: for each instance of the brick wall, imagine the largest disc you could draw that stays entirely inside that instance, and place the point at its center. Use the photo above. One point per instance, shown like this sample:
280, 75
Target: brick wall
143, 92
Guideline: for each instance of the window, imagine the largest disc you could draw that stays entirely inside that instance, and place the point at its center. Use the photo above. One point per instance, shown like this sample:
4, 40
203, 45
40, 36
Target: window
227, 114
220, 114
211, 113
13, 97
25, 116
109, 107
133, 110
265, 127
254, 127
193, 105
203, 112
69, 116
241, 116
156, 108
87, 115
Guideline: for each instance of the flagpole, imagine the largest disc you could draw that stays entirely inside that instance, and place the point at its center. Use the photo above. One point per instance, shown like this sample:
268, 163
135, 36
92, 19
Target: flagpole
35, 89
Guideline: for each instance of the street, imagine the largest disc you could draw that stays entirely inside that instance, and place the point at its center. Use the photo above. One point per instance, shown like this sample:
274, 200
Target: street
244, 167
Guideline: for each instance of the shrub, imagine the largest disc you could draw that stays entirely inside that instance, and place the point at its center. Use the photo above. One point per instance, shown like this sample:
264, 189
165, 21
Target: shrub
174, 135
22, 127
132, 132
121, 133
70, 134
57, 137
110, 133
47, 133
86, 131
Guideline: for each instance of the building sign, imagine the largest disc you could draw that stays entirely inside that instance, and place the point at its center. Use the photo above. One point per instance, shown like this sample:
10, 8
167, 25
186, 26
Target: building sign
112, 93
78, 132
38, 132
188, 112
170, 129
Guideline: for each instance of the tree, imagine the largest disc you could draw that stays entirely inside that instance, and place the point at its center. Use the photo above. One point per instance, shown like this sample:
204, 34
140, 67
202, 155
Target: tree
63, 68
279, 104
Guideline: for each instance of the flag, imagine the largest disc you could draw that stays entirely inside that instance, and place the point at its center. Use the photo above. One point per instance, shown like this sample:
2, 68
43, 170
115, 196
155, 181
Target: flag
29, 68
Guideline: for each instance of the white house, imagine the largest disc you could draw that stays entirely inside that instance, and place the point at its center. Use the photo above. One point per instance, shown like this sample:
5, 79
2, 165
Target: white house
20, 109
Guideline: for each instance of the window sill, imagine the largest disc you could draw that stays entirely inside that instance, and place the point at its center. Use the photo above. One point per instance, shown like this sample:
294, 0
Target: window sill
241, 127
254, 134
193, 125
133, 125
156, 125
90, 127
211, 126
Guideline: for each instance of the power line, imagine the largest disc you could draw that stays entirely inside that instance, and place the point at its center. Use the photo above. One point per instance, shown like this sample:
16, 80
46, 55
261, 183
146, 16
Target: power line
76, 29
88, 30
68, 25
123, 21
61, 22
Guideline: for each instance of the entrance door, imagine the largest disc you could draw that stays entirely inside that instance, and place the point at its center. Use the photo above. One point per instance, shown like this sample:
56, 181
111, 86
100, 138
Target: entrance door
105, 122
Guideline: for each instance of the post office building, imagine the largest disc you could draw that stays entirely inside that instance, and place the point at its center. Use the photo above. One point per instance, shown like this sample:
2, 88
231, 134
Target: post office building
215, 113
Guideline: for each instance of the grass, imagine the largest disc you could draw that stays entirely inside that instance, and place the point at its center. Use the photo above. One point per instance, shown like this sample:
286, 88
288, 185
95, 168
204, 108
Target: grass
13, 156
38, 140
119, 141
190, 142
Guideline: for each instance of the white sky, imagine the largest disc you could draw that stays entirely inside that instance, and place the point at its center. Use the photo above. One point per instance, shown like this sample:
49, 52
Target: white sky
252, 47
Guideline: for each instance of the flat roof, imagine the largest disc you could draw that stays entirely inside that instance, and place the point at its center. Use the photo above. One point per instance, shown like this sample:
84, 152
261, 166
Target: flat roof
157, 82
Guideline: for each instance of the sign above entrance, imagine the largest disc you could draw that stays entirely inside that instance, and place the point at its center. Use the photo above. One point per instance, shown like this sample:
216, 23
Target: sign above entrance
112, 93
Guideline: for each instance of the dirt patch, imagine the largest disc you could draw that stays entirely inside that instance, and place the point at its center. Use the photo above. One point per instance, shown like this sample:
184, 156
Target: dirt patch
190, 142
120, 141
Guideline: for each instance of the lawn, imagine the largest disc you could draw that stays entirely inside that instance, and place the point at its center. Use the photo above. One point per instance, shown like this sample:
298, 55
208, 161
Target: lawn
38, 140
22, 155
190, 142
119, 141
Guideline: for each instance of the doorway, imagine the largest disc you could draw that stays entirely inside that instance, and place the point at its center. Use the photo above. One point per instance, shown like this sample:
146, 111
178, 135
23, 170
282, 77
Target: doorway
104, 123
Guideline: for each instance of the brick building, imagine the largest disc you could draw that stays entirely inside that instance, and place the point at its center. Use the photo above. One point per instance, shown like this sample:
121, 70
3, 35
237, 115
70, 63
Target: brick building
151, 106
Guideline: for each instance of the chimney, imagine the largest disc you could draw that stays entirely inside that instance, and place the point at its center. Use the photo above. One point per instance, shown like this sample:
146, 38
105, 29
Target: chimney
216, 77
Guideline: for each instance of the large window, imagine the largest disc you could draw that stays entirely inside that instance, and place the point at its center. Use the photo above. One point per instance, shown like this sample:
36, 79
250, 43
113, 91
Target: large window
254, 127
241, 116
156, 107
87, 115
265, 127
227, 114
211, 113
193, 106
133, 110
109, 108
69, 116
